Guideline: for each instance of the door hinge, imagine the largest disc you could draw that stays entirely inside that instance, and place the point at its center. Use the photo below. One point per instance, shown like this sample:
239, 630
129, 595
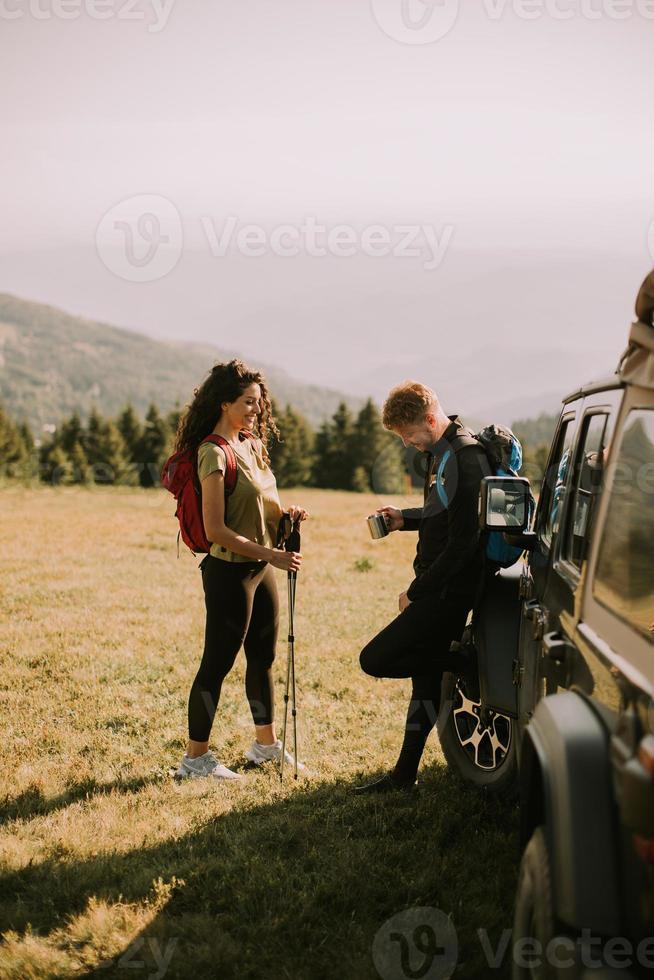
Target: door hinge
535, 612
518, 673
540, 622
525, 588
531, 608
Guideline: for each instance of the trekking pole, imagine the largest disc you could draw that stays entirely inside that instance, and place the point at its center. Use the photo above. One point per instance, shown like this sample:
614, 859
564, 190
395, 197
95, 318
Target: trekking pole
291, 543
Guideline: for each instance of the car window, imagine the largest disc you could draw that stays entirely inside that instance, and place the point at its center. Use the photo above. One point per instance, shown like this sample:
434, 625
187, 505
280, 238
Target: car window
624, 579
586, 486
553, 486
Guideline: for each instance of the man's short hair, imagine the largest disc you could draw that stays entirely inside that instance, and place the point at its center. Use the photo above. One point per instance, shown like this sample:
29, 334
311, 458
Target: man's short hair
407, 403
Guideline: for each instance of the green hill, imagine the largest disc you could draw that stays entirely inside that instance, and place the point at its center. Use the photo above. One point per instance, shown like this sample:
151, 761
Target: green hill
52, 363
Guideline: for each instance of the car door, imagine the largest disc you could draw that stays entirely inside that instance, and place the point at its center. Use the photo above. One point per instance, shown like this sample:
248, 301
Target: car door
616, 635
562, 664
536, 570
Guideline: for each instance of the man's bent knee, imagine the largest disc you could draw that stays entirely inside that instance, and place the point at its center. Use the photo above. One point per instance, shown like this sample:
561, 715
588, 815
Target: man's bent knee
369, 661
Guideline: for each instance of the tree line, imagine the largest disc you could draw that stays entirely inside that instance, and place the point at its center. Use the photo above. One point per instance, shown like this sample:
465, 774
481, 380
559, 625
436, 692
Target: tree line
350, 451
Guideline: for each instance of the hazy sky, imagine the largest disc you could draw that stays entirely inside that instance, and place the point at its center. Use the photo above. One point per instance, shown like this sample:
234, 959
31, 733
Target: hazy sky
514, 140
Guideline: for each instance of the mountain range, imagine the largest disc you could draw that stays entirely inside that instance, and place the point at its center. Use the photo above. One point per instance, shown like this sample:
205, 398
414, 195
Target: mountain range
53, 363
497, 383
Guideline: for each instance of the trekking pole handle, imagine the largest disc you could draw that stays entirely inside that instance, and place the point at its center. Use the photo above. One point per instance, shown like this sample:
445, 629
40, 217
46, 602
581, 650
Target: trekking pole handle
288, 534
292, 543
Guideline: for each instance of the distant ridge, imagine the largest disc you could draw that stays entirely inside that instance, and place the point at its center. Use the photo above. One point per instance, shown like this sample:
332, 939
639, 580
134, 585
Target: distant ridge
53, 363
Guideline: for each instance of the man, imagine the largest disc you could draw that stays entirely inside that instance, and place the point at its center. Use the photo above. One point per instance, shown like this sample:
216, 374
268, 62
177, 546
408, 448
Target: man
447, 567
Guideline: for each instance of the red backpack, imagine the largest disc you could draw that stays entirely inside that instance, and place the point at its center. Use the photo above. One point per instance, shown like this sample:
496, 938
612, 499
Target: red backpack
180, 476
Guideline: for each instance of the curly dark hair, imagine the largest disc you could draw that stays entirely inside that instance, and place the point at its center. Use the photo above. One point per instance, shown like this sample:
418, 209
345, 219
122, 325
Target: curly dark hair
225, 383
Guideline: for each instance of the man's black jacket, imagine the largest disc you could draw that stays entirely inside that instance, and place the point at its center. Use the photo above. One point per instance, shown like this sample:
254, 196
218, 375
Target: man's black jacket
449, 558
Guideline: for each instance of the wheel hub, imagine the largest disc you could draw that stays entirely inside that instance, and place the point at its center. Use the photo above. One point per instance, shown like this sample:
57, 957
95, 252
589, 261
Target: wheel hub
484, 735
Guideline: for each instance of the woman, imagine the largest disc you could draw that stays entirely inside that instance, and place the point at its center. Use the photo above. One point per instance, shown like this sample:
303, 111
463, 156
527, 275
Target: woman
239, 584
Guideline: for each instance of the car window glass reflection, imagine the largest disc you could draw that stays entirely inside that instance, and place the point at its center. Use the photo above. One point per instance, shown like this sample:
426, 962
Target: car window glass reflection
624, 581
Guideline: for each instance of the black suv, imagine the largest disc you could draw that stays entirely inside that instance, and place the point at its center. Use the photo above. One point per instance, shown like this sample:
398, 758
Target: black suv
564, 705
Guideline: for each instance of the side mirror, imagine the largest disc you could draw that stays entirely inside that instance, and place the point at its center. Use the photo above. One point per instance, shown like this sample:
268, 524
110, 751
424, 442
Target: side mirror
504, 504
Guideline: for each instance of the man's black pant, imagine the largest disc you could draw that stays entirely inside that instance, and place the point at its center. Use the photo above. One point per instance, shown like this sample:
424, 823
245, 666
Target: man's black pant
416, 644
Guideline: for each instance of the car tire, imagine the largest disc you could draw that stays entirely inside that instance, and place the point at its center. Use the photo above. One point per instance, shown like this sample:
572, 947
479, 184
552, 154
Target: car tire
483, 755
534, 918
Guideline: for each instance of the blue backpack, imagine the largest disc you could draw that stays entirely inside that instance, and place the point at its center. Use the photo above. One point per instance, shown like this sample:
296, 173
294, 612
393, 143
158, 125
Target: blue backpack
504, 454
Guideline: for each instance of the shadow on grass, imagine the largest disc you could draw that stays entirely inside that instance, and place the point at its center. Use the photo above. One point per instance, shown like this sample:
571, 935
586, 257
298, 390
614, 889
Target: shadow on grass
298, 887
32, 803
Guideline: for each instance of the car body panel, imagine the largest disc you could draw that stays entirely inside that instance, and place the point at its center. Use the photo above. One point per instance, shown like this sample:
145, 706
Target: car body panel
571, 745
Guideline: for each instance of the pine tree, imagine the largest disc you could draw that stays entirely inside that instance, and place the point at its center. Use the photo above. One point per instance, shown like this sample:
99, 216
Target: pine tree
130, 429
116, 465
78, 469
360, 480
28, 468
321, 452
70, 432
292, 458
59, 466
92, 440
334, 463
173, 418
63, 459
26, 436
152, 447
376, 455
106, 451
13, 451
340, 460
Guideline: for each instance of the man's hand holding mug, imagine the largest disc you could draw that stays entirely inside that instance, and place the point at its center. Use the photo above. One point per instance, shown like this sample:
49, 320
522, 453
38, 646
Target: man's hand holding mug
393, 516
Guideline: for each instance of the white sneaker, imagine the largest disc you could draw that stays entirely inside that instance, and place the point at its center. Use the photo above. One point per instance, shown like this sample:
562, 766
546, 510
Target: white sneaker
203, 766
259, 754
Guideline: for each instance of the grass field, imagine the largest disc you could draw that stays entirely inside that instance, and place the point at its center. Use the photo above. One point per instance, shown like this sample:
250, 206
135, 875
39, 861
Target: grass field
112, 869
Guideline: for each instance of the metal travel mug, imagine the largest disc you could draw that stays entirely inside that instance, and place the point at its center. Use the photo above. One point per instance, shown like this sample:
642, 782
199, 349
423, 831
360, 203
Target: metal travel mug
377, 526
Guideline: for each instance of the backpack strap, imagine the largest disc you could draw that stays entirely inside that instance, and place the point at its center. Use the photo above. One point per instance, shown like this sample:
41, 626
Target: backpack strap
459, 443
464, 440
231, 471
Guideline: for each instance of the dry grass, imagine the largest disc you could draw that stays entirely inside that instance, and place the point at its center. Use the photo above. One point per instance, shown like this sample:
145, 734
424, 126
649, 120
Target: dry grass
108, 863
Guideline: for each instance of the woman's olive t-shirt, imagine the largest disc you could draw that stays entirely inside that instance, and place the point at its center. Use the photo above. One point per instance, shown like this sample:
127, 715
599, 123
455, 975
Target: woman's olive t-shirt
253, 509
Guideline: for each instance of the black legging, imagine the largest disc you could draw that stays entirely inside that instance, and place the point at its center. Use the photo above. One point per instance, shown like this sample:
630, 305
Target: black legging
416, 644
242, 608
